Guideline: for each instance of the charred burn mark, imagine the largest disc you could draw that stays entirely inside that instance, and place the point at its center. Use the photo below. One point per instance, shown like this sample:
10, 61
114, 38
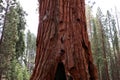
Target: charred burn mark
61, 22
62, 52
78, 19
84, 45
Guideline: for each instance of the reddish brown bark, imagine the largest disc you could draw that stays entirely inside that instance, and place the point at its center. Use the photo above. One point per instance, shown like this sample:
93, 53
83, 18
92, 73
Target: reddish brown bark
62, 38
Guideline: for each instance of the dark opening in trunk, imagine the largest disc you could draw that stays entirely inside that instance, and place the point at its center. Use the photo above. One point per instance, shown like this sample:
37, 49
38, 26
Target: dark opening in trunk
60, 72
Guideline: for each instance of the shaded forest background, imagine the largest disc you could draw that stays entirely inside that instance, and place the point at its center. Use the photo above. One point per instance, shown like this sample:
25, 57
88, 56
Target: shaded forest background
18, 45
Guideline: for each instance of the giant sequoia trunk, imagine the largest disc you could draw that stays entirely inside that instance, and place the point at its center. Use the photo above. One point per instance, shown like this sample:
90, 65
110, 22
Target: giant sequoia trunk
63, 48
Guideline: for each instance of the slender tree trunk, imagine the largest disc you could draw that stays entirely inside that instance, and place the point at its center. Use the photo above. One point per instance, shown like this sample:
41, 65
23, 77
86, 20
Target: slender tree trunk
0, 77
106, 76
115, 54
0, 74
62, 39
117, 20
6, 10
117, 48
112, 62
89, 27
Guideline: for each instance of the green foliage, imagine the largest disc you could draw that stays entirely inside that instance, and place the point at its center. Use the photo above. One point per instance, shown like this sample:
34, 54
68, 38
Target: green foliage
26, 75
13, 44
17, 71
10, 33
20, 44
